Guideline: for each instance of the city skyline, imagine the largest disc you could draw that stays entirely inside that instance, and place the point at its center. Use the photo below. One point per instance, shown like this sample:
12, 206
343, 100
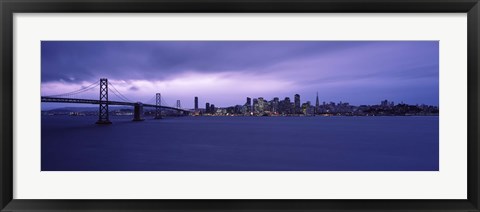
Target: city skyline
196, 106
225, 72
300, 101
260, 106
279, 107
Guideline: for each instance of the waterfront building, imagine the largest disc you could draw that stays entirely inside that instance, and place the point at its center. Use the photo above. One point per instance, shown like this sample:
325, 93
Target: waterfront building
386, 104
297, 103
237, 109
212, 109
275, 103
248, 105
207, 108
307, 108
255, 106
317, 105
285, 106
196, 104
261, 105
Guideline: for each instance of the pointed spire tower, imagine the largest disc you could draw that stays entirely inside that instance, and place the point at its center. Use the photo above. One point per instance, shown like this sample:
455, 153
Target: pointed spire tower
317, 105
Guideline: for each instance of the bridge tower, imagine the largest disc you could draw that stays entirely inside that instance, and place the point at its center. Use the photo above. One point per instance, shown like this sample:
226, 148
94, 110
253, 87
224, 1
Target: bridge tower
178, 104
158, 110
103, 117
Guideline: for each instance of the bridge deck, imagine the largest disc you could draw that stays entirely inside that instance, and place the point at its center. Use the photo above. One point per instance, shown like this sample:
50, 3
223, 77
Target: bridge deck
91, 101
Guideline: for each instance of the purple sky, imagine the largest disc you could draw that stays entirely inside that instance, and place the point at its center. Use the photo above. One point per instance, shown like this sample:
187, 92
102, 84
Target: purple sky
226, 72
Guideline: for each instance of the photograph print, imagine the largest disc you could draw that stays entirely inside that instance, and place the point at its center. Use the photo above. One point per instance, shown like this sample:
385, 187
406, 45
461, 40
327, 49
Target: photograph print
240, 105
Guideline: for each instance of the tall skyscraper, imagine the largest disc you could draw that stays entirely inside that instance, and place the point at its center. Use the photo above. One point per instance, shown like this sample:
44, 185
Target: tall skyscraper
196, 104
287, 107
317, 105
255, 106
297, 103
207, 107
212, 109
248, 105
261, 105
275, 105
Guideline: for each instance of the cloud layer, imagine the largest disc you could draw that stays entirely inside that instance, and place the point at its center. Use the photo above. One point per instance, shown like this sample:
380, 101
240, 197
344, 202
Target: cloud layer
225, 72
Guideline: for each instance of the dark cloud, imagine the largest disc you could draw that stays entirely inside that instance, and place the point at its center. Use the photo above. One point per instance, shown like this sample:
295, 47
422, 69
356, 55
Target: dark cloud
346, 69
134, 88
87, 60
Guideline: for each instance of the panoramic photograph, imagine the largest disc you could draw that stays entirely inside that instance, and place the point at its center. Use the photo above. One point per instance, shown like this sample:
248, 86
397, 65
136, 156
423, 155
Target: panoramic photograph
240, 106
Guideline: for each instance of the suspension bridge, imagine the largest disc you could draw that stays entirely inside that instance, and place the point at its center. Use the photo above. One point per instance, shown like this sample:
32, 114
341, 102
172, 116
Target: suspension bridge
103, 101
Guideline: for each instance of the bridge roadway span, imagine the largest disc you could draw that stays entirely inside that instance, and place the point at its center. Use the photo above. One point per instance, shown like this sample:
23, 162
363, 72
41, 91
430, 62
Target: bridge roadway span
91, 101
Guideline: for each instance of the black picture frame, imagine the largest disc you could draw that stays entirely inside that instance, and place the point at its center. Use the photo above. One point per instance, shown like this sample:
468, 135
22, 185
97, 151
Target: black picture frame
9, 7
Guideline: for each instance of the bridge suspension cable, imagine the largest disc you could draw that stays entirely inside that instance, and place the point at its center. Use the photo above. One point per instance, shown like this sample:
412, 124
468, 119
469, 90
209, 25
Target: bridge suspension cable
76, 92
118, 94
152, 100
166, 103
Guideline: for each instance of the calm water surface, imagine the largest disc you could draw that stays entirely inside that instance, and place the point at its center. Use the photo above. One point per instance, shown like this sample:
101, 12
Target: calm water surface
241, 144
